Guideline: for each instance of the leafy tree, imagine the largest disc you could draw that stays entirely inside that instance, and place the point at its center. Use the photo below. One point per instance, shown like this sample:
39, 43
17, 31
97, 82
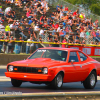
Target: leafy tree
93, 5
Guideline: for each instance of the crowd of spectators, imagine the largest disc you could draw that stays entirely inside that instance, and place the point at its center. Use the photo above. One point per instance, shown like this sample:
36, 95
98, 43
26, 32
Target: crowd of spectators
60, 26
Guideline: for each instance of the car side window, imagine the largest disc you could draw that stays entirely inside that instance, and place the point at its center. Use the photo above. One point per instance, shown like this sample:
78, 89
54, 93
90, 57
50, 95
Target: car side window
82, 56
73, 56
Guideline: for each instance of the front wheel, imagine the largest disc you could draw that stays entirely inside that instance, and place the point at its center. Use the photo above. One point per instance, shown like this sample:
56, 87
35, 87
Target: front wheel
58, 81
90, 81
16, 83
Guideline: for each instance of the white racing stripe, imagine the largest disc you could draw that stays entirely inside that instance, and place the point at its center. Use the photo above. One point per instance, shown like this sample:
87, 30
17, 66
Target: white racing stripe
4, 78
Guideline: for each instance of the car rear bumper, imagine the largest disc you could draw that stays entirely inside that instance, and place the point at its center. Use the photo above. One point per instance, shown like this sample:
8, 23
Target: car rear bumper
29, 76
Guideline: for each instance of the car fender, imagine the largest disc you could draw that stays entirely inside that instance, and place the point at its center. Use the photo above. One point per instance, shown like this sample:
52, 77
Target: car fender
59, 70
93, 67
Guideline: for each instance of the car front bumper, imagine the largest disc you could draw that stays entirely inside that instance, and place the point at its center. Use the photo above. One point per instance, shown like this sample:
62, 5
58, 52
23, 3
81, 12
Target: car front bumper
29, 77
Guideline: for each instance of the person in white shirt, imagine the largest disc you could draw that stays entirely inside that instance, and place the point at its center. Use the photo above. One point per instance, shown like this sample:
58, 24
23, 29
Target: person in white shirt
36, 28
29, 46
82, 35
41, 33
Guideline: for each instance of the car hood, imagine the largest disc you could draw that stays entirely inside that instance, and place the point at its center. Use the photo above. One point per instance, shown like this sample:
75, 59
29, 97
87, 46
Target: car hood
37, 62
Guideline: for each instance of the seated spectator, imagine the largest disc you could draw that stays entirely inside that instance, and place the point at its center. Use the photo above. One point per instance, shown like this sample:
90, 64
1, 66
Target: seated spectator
2, 27
1, 12
36, 28
65, 9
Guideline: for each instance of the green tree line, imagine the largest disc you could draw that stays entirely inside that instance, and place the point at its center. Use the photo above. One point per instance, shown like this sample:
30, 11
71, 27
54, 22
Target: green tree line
93, 5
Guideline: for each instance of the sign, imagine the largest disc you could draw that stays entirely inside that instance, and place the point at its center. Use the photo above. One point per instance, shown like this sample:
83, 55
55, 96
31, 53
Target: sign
89, 50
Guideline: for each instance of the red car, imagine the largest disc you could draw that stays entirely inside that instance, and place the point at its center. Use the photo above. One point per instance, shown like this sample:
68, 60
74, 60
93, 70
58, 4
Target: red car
55, 66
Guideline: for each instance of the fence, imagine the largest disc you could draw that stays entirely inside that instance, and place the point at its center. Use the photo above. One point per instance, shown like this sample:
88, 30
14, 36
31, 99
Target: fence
88, 49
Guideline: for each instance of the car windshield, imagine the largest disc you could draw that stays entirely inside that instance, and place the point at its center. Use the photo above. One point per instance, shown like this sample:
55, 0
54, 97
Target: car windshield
48, 53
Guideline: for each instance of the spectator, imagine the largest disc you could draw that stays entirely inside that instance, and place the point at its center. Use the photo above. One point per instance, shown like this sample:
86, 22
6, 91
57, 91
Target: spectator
2, 28
56, 42
6, 44
36, 28
64, 41
41, 33
37, 44
1, 11
20, 44
10, 45
1, 43
28, 45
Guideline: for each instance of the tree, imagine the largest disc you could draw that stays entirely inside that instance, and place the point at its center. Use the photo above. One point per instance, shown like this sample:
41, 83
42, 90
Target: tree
93, 5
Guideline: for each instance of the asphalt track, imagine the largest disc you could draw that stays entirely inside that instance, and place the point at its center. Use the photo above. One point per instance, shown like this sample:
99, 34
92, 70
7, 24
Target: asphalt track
40, 89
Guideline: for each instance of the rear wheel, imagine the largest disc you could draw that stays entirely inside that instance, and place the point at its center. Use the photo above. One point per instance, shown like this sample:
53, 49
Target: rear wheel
90, 81
58, 81
16, 83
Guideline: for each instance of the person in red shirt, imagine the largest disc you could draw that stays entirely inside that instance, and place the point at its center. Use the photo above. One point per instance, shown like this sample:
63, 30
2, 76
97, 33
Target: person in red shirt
64, 41
56, 25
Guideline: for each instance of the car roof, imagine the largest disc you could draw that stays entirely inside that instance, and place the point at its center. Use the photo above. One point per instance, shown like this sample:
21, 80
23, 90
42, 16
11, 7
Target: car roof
60, 48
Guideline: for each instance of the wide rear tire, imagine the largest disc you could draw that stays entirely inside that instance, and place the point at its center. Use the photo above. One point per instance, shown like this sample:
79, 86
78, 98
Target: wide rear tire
16, 83
90, 81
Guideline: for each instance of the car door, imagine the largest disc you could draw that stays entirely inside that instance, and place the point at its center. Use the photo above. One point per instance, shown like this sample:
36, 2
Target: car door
72, 68
83, 70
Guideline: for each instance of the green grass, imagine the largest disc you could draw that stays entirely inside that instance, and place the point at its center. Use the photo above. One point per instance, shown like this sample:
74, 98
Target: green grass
95, 56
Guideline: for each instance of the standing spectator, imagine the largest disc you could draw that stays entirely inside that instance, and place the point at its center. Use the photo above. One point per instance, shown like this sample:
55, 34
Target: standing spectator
13, 45
37, 44
56, 42
41, 33
20, 44
1, 43
64, 41
82, 35
10, 45
28, 45
6, 45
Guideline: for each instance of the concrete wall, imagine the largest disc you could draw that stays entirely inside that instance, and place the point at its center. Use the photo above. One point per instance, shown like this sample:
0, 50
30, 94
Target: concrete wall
6, 58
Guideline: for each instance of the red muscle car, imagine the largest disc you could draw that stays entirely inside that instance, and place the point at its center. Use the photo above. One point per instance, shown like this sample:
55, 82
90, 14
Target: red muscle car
55, 66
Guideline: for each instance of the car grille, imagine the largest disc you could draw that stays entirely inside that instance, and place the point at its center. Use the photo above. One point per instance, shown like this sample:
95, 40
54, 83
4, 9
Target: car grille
27, 69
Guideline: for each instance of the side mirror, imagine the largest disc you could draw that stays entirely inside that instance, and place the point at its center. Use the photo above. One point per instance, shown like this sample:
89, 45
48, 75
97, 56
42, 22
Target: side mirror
72, 61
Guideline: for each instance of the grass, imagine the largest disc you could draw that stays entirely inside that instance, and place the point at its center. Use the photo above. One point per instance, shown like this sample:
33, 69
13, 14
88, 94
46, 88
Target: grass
94, 56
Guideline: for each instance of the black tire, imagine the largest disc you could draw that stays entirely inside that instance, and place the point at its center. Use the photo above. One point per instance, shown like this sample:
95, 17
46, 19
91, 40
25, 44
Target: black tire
57, 81
16, 83
90, 81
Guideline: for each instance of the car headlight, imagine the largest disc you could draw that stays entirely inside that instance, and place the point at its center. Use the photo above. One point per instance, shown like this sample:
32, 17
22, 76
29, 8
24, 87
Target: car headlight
45, 70
10, 68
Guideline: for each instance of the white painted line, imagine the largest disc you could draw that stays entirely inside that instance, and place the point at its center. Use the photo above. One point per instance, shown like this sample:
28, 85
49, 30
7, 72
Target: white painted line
4, 78
3, 66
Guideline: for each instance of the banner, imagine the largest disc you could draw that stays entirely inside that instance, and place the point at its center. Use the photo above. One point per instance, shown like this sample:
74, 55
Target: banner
89, 50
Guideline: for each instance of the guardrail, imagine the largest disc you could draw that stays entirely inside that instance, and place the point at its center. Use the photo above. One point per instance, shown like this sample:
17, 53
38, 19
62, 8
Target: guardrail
54, 96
